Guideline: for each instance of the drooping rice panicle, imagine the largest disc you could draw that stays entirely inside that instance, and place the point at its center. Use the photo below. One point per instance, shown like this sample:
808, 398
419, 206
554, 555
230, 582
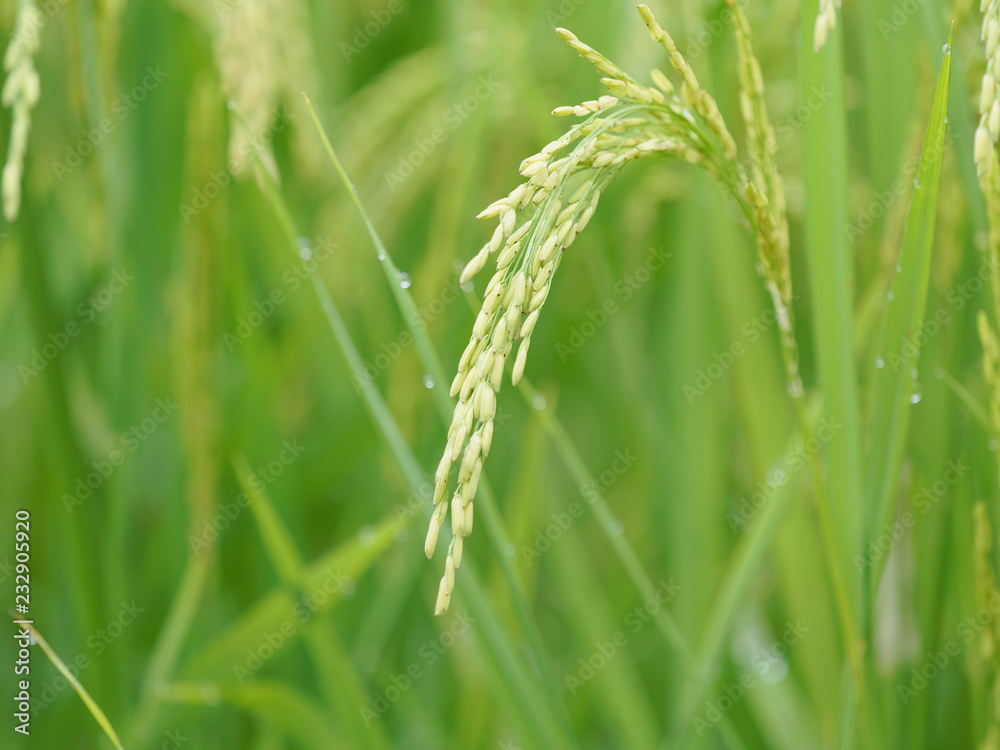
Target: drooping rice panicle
826, 22
766, 191
539, 220
987, 135
988, 171
20, 92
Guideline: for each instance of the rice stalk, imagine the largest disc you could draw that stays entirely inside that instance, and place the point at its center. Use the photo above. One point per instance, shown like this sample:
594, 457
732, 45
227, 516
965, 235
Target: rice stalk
20, 92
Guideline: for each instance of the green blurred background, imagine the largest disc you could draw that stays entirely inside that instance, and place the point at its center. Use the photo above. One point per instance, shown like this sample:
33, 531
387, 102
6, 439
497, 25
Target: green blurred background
157, 327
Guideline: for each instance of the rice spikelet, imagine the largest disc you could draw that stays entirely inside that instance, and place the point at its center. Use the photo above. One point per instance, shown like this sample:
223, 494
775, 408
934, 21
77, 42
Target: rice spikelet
826, 22
20, 92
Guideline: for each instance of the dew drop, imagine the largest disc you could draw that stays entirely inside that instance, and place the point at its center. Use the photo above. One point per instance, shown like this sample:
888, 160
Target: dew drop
510, 550
428, 382
915, 397
916, 183
899, 268
879, 363
890, 296
305, 251
777, 671
991, 444
347, 589
381, 256
404, 280
538, 402
231, 105
617, 528
366, 536
946, 49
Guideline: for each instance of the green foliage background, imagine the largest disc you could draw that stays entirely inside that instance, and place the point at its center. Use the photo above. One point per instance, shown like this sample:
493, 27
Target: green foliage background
704, 430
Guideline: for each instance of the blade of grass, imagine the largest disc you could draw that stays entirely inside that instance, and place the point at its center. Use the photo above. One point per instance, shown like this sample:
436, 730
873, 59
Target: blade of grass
334, 672
895, 383
744, 565
665, 622
58, 663
218, 656
403, 299
297, 716
830, 262
976, 410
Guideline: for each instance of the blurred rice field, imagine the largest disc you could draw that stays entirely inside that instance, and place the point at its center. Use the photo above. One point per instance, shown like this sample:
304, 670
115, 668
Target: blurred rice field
226, 532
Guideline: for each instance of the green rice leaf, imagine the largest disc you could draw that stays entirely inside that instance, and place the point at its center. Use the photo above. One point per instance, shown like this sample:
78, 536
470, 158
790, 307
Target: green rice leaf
896, 384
